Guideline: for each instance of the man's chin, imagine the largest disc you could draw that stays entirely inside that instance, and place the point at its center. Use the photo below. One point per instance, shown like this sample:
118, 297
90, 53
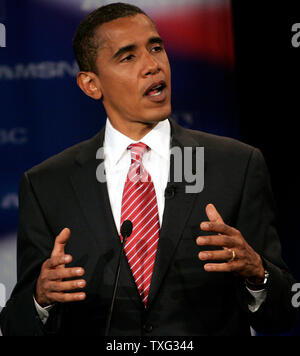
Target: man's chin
159, 115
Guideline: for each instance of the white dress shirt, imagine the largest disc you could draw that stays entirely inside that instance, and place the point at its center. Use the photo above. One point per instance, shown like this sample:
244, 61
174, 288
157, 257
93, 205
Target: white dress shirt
117, 160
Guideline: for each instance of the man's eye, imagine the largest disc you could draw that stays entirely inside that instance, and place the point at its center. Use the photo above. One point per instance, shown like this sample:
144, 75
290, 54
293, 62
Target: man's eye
157, 49
128, 58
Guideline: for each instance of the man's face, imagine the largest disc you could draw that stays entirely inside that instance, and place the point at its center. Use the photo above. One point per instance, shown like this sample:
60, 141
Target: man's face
134, 71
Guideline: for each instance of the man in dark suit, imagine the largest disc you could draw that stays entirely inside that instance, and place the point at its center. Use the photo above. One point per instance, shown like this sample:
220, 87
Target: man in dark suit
218, 268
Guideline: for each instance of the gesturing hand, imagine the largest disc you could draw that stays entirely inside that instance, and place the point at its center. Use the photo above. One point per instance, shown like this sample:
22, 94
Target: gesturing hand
51, 287
239, 256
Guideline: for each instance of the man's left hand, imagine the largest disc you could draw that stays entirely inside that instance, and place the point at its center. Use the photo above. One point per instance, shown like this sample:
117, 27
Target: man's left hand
239, 256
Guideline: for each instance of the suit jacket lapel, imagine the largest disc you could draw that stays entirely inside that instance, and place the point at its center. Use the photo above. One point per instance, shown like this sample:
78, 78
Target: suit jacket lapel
178, 206
94, 202
91, 194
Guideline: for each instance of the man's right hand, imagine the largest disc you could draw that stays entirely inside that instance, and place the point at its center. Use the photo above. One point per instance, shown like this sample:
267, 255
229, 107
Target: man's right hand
51, 287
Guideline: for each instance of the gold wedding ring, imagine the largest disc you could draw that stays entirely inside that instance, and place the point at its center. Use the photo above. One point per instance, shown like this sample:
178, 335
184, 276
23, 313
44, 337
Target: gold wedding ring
233, 256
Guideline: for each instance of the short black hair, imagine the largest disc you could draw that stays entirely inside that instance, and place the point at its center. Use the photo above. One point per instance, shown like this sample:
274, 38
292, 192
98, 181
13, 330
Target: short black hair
85, 44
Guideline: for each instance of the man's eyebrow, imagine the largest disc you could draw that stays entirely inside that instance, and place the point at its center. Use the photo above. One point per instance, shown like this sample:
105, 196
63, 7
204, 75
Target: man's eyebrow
155, 39
123, 50
132, 47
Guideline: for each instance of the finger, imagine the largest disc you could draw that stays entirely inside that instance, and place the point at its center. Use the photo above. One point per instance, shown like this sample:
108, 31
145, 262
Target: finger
61, 297
220, 255
218, 227
60, 242
222, 267
63, 273
64, 286
56, 261
213, 214
216, 240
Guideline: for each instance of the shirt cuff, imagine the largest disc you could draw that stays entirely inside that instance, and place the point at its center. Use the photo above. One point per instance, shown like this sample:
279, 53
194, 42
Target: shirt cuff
259, 296
43, 313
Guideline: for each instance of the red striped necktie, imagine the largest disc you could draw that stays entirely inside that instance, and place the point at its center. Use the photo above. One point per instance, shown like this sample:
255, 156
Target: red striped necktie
139, 205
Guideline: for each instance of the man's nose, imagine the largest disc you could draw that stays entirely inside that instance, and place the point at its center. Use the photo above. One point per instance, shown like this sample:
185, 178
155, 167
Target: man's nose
150, 65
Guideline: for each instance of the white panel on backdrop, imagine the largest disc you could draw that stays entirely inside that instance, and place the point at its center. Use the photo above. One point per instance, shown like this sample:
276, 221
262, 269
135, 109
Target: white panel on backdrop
8, 267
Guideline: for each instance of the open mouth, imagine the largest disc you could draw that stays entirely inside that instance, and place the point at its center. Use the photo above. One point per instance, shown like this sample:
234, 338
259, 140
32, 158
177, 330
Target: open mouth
155, 89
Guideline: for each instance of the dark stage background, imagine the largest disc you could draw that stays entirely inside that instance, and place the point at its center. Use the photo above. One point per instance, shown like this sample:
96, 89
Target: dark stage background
268, 79
234, 73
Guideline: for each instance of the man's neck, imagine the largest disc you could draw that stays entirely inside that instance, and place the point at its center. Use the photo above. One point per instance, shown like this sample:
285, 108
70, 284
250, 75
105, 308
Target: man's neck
134, 130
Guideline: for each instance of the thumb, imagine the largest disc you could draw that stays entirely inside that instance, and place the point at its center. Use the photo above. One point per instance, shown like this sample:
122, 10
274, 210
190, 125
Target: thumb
60, 242
213, 214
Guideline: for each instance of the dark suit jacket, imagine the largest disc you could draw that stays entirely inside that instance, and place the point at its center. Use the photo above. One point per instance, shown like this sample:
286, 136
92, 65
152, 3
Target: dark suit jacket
184, 299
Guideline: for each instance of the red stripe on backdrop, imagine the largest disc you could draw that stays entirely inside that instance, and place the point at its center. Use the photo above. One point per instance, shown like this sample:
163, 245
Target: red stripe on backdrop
200, 32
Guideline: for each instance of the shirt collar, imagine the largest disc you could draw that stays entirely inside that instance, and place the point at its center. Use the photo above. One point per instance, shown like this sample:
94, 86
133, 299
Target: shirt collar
158, 139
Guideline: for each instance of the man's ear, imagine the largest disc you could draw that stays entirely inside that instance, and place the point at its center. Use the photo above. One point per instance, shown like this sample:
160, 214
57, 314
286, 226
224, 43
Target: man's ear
89, 83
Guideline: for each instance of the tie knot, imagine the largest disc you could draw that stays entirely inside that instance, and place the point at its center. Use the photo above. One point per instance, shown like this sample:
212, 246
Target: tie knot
137, 150
137, 171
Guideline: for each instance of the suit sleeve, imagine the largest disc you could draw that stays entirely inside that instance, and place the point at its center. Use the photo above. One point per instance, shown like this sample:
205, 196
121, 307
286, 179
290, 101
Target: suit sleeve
34, 246
256, 221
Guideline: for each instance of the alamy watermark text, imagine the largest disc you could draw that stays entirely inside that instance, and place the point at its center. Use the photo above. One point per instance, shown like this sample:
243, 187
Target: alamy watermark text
188, 167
